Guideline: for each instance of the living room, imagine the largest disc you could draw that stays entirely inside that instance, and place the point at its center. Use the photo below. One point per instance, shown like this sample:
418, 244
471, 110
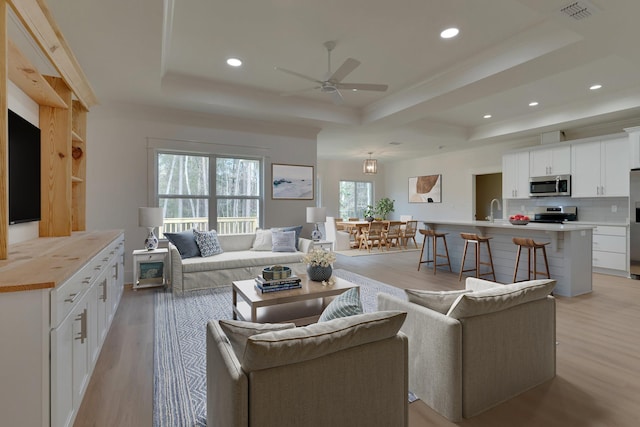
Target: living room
122, 137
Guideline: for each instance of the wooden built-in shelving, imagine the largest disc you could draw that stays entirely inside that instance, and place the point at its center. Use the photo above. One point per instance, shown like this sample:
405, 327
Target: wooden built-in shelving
64, 102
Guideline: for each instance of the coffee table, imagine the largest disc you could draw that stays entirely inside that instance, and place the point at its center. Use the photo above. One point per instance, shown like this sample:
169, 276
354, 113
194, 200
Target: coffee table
301, 306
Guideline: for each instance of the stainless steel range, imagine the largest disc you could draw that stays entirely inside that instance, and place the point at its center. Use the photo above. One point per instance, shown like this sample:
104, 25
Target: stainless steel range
555, 214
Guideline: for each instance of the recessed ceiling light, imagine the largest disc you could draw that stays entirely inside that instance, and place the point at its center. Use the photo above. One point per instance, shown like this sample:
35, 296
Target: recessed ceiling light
449, 33
354, 90
234, 62
595, 87
487, 116
533, 104
395, 143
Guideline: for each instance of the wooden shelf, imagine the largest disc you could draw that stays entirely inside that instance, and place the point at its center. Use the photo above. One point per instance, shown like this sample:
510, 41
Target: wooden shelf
75, 179
27, 78
76, 138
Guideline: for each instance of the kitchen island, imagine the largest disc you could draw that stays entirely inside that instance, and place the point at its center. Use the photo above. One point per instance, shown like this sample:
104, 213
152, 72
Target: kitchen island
568, 252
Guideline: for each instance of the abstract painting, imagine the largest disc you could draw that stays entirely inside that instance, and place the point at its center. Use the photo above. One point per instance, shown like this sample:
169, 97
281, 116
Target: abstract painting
425, 189
292, 182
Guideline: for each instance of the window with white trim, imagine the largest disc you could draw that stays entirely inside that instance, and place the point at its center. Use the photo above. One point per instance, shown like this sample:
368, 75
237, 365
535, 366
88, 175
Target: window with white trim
355, 196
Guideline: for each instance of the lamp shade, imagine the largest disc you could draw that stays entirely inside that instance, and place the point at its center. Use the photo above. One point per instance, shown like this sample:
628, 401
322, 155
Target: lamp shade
316, 215
150, 217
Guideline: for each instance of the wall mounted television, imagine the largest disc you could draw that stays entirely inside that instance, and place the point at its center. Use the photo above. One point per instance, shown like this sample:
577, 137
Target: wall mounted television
24, 170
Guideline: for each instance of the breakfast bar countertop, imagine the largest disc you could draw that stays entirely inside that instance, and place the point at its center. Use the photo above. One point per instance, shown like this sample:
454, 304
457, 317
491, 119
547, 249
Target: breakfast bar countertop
503, 223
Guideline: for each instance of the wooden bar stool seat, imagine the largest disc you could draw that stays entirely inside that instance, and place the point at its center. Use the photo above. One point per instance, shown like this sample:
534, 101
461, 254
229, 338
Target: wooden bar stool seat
531, 244
432, 234
477, 241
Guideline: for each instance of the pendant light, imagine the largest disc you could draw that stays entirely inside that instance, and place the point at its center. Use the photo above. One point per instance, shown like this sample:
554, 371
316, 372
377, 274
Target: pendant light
370, 166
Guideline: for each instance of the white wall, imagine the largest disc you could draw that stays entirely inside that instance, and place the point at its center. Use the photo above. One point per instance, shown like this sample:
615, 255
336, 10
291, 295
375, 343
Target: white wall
118, 174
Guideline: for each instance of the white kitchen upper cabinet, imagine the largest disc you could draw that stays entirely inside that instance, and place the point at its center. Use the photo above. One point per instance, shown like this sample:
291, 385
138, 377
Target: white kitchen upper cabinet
550, 161
515, 175
634, 142
600, 168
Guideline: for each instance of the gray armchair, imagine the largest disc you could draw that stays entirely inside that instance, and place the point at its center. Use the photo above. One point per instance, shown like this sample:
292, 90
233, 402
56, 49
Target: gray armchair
346, 372
490, 345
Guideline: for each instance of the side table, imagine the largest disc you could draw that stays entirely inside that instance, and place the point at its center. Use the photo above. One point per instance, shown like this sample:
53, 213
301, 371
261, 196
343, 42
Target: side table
322, 244
149, 268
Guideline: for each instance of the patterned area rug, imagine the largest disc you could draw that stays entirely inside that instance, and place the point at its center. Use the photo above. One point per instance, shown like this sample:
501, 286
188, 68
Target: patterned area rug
180, 389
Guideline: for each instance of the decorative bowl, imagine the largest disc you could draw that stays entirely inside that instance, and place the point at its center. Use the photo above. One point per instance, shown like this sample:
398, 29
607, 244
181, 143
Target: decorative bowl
276, 272
519, 221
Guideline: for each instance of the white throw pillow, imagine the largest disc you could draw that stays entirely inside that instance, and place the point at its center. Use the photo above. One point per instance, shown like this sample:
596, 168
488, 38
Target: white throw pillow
283, 241
238, 331
263, 241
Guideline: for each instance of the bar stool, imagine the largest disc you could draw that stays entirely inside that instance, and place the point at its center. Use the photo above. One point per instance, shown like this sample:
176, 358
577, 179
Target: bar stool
531, 244
434, 235
476, 240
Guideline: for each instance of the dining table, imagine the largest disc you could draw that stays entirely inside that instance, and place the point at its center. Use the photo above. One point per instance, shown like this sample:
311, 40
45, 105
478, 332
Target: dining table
355, 228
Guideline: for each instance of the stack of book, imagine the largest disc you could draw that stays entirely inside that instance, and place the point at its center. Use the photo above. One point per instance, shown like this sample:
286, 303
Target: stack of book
263, 285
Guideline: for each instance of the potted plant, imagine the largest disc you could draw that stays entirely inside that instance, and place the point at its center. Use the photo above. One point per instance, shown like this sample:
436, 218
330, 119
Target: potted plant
368, 213
384, 207
319, 264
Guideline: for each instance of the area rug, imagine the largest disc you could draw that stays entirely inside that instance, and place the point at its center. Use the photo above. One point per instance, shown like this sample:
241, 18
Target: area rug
375, 251
179, 383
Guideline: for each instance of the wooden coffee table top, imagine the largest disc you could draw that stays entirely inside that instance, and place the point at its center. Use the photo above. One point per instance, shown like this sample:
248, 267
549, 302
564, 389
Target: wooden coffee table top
244, 291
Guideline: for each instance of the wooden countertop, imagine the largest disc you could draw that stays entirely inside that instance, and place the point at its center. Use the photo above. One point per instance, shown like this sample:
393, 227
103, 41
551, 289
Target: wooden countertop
45, 262
506, 224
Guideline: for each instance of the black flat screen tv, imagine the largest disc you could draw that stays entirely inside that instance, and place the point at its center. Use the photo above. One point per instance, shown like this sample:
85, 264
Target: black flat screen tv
24, 170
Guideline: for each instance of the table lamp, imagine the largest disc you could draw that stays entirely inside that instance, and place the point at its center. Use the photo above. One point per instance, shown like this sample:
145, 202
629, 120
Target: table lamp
316, 216
150, 218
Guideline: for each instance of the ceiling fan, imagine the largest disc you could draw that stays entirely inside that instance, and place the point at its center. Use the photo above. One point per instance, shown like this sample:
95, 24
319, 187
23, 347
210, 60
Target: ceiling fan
333, 81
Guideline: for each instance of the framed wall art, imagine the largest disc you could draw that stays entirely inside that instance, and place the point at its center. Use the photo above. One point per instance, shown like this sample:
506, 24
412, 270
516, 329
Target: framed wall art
292, 182
425, 189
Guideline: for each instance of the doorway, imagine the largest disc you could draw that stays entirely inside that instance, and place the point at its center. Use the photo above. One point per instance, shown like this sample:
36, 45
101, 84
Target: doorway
488, 187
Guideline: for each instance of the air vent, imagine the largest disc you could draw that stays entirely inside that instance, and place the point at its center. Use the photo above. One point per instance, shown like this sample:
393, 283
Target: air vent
579, 10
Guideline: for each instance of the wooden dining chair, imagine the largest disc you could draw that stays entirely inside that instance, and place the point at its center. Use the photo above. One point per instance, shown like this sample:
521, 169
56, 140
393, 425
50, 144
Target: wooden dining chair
354, 230
392, 234
409, 232
373, 234
340, 226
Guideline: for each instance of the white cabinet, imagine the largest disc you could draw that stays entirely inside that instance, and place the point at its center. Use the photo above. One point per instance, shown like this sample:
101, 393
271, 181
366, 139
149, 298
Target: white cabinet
600, 168
550, 161
515, 175
634, 143
610, 247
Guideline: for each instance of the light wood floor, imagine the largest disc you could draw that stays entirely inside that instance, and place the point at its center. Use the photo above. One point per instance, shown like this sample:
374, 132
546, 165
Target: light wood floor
598, 357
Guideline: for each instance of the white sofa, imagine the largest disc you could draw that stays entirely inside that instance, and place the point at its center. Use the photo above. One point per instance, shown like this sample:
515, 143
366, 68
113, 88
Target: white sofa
237, 262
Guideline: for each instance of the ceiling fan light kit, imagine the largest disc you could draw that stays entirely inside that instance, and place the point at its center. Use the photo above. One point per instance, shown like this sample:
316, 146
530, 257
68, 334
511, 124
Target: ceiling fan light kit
333, 82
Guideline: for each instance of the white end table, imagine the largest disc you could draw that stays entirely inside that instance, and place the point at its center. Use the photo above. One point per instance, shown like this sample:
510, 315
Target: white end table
149, 268
322, 244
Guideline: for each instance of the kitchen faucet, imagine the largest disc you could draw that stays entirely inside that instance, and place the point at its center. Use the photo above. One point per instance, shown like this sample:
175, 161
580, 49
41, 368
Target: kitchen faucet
499, 208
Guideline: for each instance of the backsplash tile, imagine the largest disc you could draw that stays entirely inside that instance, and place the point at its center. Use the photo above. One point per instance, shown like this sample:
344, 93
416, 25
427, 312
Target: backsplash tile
591, 210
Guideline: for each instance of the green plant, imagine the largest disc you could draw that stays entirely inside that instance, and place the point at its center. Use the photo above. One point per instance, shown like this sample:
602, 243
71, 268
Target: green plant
384, 207
369, 211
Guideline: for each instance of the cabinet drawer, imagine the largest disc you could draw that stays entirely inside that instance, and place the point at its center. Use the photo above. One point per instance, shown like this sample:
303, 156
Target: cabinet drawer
65, 296
612, 260
610, 230
616, 244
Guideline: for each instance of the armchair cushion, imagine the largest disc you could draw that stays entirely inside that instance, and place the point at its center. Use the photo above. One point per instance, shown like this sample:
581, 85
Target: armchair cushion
500, 298
439, 301
289, 346
238, 331
346, 304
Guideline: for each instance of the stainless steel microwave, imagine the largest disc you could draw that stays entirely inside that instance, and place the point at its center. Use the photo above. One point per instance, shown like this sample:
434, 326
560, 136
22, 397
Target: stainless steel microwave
554, 185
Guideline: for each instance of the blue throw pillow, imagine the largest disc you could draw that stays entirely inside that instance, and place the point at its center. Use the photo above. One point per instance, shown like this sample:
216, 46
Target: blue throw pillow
185, 242
297, 229
208, 242
346, 304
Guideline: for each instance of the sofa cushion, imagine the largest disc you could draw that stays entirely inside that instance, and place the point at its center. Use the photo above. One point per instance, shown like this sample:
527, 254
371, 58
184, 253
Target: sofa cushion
346, 304
208, 242
296, 345
283, 241
296, 228
185, 242
263, 241
240, 259
237, 331
500, 298
439, 301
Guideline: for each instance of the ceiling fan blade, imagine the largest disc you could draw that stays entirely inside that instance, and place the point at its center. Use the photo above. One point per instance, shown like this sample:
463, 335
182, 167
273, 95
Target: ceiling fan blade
362, 86
337, 98
347, 67
302, 76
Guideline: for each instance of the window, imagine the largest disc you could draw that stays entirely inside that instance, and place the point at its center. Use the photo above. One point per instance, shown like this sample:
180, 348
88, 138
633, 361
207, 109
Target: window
184, 192
355, 196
